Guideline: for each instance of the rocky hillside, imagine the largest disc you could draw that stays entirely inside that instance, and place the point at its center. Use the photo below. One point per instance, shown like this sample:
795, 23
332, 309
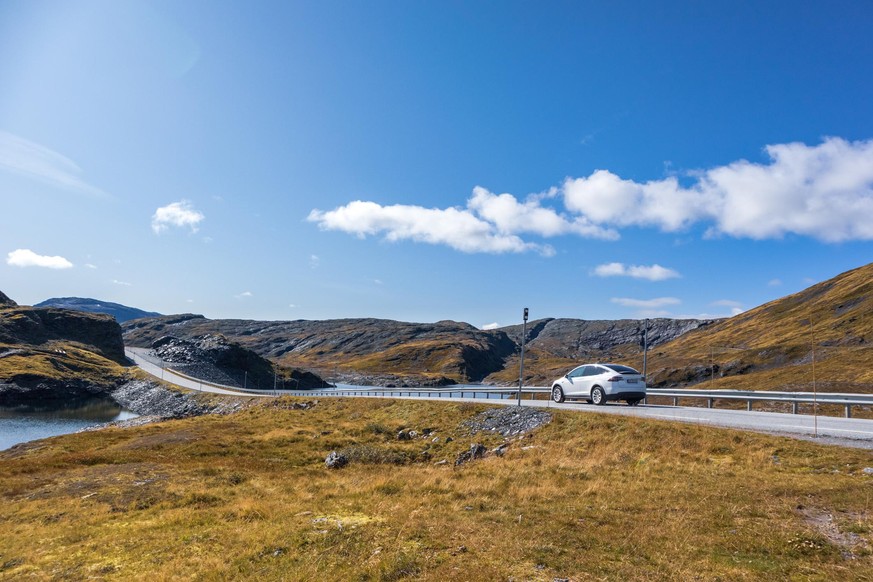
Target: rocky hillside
392, 352
556, 345
121, 313
5, 301
772, 347
48, 353
214, 359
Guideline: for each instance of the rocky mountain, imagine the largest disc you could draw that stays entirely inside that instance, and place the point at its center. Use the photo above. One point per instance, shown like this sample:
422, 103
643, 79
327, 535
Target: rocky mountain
48, 353
121, 313
383, 351
818, 337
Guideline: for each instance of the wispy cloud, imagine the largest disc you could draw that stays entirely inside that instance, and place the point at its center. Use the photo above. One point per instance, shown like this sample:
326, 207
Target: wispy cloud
177, 214
652, 273
488, 326
735, 306
244, 295
28, 258
314, 261
90, 266
646, 303
32, 160
122, 283
774, 283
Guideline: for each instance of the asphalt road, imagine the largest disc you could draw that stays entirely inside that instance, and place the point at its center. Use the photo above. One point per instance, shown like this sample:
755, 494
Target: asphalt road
167, 375
850, 432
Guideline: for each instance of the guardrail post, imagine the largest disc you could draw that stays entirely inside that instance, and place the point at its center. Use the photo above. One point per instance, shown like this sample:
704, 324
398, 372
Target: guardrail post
675, 401
709, 402
848, 411
749, 405
794, 407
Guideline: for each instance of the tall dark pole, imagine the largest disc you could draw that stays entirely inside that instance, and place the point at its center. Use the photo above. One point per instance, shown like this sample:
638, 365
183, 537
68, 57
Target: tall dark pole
521, 367
645, 348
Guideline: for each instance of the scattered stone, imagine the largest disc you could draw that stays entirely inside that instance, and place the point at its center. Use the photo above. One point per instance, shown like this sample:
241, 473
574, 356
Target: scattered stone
501, 450
427, 431
335, 460
477, 451
868, 470
449, 439
404, 435
435, 440
443, 462
508, 420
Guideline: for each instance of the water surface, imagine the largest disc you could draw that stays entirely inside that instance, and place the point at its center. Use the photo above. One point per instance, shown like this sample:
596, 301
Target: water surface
20, 424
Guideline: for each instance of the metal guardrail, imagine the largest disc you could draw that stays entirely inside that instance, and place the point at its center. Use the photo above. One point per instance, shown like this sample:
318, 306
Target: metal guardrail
749, 396
795, 398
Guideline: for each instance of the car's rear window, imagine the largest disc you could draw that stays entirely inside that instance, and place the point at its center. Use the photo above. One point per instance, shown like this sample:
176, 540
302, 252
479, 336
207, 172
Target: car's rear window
621, 369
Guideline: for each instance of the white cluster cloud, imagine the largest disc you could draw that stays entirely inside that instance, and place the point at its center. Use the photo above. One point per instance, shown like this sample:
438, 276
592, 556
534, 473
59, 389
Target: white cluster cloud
823, 191
456, 228
30, 159
179, 214
28, 258
652, 273
244, 295
488, 326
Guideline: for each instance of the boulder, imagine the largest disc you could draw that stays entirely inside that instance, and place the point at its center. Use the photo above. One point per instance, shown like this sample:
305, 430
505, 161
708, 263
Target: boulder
335, 460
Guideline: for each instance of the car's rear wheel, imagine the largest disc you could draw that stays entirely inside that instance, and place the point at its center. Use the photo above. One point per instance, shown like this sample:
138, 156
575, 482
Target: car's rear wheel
633, 401
597, 396
557, 394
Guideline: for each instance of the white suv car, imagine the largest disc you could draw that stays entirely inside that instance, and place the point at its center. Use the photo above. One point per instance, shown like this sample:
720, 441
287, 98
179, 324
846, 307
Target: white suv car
598, 383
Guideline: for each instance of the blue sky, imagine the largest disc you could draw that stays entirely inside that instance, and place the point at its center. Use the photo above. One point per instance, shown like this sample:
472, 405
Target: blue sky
433, 160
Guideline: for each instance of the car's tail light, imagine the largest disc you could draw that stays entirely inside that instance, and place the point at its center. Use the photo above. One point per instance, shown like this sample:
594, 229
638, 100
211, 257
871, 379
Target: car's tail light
615, 379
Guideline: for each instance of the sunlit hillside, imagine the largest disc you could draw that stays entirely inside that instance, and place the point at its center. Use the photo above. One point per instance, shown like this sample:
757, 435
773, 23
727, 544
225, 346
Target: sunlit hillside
822, 333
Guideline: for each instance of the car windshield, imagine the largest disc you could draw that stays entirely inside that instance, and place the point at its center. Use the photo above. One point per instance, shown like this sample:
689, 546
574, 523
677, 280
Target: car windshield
621, 369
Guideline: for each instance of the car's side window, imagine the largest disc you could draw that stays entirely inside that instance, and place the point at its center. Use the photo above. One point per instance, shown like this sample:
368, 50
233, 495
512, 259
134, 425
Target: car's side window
591, 371
577, 372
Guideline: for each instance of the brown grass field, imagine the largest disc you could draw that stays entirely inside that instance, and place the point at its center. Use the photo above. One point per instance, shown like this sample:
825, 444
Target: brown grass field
586, 497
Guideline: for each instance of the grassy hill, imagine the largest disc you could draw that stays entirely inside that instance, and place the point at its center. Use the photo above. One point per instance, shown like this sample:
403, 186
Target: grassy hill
586, 497
771, 347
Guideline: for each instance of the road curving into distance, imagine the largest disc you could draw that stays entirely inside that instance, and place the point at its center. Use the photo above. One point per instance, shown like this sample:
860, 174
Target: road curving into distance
852, 432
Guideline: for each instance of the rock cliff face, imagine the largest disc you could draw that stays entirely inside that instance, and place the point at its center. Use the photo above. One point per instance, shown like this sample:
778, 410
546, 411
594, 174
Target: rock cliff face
56, 354
36, 326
